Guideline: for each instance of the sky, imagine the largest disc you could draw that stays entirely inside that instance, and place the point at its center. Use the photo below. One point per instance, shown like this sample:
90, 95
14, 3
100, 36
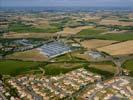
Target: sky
66, 3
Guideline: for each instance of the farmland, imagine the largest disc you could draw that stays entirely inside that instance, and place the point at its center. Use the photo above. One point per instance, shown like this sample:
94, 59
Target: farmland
95, 43
61, 68
105, 34
91, 32
72, 31
116, 22
13, 67
128, 65
117, 37
122, 48
63, 53
30, 55
105, 67
27, 35
19, 27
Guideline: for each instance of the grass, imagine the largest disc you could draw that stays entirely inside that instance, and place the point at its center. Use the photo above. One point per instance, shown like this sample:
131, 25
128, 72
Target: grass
13, 67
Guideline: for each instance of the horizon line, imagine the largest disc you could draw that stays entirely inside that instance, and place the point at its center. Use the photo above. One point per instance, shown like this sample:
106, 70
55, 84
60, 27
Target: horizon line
70, 6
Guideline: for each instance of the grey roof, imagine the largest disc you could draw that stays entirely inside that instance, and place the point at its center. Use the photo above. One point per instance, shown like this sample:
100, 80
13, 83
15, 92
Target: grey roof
55, 48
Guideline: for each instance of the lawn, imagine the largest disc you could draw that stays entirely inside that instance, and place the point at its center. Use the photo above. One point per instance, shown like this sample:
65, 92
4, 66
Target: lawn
13, 67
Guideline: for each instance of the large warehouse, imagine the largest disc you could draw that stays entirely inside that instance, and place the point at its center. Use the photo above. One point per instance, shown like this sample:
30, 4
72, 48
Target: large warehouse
56, 48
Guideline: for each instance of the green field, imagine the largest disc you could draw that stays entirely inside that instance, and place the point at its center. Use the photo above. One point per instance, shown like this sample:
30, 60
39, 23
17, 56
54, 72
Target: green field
117, 37
107, 66
61, 68
22, 28
95, 33
68, 57
129, 66
13, 67
105, 74
90, 32
55, 70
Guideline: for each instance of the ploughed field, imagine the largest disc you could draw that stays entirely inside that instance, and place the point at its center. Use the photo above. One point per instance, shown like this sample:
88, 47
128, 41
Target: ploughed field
96, 43
122, 48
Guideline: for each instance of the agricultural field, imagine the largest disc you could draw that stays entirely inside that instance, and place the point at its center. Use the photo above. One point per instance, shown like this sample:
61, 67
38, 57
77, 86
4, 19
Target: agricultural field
61, 68
19, 27
73, 56
106, 34
105, 66
88, 17
78, 56
72, 31
116, 22
30, 55
95, 43
118, 36
27, 35
91, 32
14, 67
106, 74
128, 65
123, 48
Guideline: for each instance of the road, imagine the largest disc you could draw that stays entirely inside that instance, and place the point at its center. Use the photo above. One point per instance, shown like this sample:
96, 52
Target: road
118, 63
30, 91
77, 93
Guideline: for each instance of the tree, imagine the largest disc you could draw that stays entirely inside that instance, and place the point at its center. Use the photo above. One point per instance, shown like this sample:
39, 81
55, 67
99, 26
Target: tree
1, 76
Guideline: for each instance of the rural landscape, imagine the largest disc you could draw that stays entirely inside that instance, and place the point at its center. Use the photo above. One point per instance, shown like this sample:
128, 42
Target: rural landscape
66, 54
